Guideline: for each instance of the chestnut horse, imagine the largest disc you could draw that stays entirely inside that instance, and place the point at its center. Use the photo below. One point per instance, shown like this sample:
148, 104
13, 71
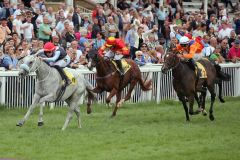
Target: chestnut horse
108, 78
186, 85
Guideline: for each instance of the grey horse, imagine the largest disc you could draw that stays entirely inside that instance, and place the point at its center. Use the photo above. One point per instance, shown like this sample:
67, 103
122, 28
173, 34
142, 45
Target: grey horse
48, 86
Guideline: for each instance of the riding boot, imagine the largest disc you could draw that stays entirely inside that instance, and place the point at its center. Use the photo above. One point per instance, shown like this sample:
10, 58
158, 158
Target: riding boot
119, 65
64, 76
193, 66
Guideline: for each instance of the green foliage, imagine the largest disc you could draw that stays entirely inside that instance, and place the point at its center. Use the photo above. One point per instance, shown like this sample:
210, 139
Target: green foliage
144, 131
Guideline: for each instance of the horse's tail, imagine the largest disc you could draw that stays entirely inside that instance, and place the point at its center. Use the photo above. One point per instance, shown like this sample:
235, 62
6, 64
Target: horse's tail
221, 75
90, 94
145, 85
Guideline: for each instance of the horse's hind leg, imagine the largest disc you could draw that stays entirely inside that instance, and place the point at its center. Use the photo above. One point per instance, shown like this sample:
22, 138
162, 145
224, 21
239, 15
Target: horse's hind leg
213, 95
132, 85
69, 116
220, 92
77, 112
36, 99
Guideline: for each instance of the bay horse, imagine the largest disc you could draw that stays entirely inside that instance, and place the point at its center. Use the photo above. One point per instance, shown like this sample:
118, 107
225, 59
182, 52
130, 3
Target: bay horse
186, 85
48, 87
108, 78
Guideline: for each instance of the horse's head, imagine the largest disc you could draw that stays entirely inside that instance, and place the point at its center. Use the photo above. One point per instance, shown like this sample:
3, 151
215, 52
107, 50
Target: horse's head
92, 58
171, 60
29, 64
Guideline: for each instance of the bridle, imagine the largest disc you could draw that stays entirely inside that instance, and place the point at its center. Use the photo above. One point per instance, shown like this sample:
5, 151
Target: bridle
175, 66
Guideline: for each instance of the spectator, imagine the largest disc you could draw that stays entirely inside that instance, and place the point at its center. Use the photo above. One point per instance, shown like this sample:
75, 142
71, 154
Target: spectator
85, 21
111, 28
17, 25
160, 53
224, 48
6, 11
139, 58
34, 47
27, 27
70, 36
60, 25
98, 42
232, 38
10, 60
4, 31
95, 28
225, 31
76, 19
44, 30
216, 56
234, 52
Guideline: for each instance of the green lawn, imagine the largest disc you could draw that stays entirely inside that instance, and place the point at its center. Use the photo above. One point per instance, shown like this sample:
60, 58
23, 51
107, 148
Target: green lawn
143, 131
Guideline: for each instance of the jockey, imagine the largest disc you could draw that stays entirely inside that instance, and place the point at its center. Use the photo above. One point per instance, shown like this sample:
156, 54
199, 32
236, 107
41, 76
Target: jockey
57, 57
189, 50
117, 49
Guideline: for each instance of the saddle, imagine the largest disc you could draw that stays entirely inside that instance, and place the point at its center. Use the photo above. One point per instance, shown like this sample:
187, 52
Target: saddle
125, 65
200, 70
64, 75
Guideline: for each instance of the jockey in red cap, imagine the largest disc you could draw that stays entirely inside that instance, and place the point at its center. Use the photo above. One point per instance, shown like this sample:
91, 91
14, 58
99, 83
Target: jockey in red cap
57, 57
117, 49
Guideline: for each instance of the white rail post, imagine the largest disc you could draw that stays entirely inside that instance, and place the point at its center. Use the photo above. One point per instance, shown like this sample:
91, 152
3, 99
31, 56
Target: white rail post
236, 81
158, 87
2, 90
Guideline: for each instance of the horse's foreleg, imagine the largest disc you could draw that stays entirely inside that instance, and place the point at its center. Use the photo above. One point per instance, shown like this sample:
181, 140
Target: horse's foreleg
97, 90
36, 99
191, 103
48, 98
183, 100
203, 99
112, 93
40, 116
117, 105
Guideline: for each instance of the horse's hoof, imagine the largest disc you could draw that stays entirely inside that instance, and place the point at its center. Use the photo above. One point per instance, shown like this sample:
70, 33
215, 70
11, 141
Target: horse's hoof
89, 111
40, 124
221, 100
204, 113
20, 124
113, 115
211, 117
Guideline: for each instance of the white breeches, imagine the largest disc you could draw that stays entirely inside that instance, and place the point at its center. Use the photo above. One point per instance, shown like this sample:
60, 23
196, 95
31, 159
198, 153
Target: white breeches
197, 56
62, 62
113, 56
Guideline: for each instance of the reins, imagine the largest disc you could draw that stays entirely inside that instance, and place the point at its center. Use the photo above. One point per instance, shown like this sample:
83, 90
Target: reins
38, 69
108, 75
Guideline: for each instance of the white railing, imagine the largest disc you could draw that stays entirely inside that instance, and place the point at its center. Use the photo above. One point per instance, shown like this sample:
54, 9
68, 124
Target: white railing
16, 92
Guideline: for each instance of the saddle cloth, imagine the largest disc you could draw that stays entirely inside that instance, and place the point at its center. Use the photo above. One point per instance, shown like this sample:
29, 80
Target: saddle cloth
125, 65
70, 76
202, 70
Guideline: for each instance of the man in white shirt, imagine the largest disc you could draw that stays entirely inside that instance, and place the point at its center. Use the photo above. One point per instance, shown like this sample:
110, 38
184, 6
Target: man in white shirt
225, 31
27, 27
17, 23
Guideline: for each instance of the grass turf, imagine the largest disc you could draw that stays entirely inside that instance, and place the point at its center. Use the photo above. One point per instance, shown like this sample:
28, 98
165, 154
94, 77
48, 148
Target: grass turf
145, 131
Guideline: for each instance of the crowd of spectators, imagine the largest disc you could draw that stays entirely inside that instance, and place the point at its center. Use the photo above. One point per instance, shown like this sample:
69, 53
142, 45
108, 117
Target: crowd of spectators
147, 28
